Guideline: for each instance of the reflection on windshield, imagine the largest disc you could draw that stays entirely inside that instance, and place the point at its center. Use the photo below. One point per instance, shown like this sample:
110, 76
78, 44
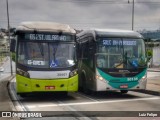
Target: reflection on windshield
46, 55
61, 55
120, 53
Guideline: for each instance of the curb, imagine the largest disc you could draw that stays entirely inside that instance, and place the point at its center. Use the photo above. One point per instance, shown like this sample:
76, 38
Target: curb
153, 70
14, 99
11, 104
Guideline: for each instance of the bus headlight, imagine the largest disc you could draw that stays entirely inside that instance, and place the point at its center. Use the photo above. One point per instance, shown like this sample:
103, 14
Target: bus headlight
144, 78
23, 73
73, 73
100, 78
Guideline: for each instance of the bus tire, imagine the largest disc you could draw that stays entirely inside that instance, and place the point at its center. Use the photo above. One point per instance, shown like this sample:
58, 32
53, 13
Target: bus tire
124, 91
84, 86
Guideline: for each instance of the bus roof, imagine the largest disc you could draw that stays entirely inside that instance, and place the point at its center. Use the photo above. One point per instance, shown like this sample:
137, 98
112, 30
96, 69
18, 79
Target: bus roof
45, 26
110, 33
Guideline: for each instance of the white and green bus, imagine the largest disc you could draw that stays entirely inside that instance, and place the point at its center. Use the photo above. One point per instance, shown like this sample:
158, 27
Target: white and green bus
111, 60
45, 58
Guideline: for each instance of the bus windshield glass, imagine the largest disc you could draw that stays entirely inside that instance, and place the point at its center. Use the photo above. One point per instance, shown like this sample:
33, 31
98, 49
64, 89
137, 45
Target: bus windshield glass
46, 54
120, 53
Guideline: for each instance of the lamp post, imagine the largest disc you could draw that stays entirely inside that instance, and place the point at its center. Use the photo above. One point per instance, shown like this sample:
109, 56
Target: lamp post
132, 14
9, 37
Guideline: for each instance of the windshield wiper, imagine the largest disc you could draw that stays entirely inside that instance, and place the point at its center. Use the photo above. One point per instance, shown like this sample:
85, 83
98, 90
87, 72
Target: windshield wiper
55, 47
127, 60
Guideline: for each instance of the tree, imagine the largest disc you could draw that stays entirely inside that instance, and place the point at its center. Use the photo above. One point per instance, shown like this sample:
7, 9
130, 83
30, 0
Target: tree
149, 53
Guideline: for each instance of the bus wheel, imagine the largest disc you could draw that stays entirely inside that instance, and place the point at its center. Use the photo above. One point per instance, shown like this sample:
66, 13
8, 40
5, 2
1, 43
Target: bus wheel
86, 90
23, 95
84, 87
124, 91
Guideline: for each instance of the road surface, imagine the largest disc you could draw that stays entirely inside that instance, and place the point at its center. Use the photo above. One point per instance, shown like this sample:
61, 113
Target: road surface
93, 104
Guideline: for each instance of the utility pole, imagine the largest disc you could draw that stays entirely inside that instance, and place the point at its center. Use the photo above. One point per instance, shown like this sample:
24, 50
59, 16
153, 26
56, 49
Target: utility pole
132, 14
9, 37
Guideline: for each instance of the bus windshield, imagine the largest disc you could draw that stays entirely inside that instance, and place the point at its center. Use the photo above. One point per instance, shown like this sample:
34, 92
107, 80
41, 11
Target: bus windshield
46, 54
120, 53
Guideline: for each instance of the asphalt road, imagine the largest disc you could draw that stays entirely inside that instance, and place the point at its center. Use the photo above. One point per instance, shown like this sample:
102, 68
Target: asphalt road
78, 103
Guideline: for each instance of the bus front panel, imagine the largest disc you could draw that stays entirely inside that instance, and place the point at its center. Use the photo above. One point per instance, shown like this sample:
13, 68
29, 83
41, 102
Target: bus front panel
120, 64
28, 85
108, 82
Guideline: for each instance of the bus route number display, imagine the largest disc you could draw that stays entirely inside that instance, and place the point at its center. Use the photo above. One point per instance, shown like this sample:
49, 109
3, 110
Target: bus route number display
46, 37
118, 42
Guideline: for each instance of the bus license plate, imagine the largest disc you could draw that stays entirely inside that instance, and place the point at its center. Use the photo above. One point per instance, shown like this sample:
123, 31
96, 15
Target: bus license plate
124, 86
49, 87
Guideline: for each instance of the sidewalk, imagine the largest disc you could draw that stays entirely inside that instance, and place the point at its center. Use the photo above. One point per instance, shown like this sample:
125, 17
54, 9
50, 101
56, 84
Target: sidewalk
154, 69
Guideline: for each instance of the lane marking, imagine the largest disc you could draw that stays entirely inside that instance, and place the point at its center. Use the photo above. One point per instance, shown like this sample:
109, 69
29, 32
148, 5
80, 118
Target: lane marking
96, 102
86, 96
76, 112
130, 93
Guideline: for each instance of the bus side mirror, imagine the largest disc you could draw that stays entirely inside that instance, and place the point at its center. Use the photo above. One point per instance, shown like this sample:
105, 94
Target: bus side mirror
12, 45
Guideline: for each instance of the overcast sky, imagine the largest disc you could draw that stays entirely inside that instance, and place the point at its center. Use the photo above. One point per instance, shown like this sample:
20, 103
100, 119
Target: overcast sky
84, 13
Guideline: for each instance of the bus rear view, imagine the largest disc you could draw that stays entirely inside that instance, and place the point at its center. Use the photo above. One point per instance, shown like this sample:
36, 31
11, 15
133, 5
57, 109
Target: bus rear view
112, 60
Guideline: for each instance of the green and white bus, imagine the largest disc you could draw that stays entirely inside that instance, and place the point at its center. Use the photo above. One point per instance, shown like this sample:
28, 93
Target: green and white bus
111, 60
45, 58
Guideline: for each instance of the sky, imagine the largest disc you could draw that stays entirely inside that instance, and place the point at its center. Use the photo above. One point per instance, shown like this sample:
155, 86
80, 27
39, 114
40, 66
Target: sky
84, 14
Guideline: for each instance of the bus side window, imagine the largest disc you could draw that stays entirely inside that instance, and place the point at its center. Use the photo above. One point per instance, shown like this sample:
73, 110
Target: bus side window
78, 51
21, 53
91, 52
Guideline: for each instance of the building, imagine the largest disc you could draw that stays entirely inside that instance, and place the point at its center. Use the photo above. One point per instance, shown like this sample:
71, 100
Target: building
153, 42
4, 45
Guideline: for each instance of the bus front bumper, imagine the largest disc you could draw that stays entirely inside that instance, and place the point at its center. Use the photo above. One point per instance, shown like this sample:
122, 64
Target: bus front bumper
27, 85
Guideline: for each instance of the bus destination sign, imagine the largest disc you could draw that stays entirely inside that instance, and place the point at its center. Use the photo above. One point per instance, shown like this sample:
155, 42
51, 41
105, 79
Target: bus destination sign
47, 37
118, 42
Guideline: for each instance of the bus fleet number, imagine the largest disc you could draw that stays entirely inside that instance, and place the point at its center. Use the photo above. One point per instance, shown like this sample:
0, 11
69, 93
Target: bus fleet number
61, 74
132, 79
